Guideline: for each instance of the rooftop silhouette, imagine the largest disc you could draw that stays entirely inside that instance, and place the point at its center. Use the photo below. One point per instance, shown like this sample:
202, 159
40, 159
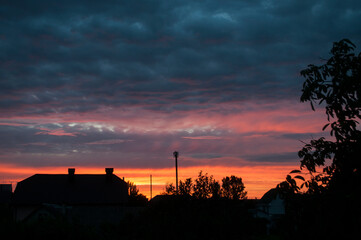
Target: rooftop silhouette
92, 190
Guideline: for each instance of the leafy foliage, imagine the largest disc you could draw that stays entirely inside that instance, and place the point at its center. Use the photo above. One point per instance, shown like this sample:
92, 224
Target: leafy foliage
185, 188
132, 189
337, 86
233, 188
289, 186
170, 189
215, 189
202, 186
135, 198
205, 187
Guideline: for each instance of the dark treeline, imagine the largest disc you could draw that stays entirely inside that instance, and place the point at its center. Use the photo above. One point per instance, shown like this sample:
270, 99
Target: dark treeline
204, 187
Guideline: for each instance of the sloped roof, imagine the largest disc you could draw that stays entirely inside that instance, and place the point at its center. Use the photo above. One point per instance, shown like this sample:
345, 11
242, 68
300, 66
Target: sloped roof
270, 195
76, 189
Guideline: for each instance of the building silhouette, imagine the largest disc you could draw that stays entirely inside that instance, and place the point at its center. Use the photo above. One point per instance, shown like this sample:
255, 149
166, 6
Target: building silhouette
86, 198
5, 193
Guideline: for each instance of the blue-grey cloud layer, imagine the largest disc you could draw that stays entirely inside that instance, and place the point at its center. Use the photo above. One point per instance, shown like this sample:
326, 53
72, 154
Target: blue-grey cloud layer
75, 56
161, 56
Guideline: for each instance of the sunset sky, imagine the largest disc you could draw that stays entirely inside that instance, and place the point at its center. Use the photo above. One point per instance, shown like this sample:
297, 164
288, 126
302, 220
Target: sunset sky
123, 84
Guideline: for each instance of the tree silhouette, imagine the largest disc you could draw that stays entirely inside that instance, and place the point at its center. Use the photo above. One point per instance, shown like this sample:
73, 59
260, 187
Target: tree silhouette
205, 187
337, 86
215, 188
135, 198
233, 188
185, 188
201, 187
289, 187
132, 189
170, 189
332, 164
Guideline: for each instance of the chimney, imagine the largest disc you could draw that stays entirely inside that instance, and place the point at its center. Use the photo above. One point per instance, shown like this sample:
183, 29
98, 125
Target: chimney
109, 171
109, 174
71, 173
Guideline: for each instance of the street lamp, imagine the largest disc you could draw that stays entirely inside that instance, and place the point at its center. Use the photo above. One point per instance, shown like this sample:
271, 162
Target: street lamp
176, 154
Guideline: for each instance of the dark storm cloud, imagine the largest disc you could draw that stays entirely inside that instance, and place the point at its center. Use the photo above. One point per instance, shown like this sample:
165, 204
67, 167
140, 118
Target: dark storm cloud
288, 157
164, 55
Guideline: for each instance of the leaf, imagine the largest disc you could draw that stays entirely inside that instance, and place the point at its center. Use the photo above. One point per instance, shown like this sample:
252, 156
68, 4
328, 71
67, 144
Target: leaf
313, 108
324, 127
300, 177
295, 171
288, 178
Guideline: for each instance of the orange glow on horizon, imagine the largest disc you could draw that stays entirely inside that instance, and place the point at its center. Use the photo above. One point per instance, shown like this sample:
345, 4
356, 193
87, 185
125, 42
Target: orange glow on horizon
257, 179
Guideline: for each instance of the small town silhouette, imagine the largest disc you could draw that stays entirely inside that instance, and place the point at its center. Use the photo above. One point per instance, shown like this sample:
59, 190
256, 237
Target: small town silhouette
319, 200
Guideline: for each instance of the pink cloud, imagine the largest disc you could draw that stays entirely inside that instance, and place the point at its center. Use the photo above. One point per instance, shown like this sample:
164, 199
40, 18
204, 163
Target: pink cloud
204, 138
56, 132
108, 141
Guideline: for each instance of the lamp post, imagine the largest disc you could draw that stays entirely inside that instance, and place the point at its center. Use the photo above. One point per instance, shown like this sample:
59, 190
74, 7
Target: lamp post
176, 154
151, 186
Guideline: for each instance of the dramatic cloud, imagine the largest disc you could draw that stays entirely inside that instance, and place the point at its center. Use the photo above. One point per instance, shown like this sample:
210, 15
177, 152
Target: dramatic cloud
125, 83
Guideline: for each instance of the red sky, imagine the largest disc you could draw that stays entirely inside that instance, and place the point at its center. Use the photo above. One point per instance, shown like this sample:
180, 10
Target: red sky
125, 85
256, 142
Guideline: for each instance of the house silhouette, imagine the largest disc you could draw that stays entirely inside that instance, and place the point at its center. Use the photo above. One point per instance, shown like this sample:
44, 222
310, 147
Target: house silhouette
87, 198
5, 194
